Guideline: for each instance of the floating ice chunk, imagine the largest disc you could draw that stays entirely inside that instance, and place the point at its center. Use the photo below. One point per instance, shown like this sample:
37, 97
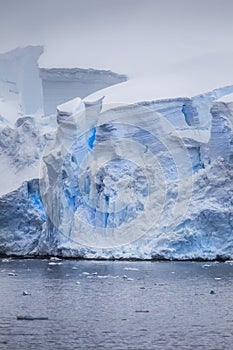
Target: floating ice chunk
25, 292
206, 266
53, 263
230, 262
107, 276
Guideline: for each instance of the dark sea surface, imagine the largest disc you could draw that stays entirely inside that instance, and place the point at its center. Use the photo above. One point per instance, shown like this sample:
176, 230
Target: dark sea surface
116, 305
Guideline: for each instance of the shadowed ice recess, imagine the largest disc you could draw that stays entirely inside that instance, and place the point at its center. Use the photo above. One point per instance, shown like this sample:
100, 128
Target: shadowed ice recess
151, 179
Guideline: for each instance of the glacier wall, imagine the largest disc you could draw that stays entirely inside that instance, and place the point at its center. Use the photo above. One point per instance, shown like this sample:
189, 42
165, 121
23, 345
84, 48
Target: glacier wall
149, 180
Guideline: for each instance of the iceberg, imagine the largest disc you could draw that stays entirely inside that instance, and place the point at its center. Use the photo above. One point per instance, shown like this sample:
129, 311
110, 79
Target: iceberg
151, 179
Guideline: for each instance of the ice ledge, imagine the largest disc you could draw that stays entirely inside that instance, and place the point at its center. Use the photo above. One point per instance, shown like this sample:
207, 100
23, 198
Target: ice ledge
66, 74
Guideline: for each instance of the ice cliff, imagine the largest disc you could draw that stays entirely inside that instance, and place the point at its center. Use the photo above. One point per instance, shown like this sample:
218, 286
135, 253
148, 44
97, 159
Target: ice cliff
20, 85
146, 180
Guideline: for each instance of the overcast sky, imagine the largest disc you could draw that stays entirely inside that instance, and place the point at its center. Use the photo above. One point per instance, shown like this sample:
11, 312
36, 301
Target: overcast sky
136, 37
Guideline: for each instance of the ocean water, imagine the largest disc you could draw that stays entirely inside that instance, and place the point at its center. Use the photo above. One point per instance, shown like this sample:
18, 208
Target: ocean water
116, 305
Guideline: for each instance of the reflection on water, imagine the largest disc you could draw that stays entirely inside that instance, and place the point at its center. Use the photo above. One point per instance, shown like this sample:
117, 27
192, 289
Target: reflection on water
115, 305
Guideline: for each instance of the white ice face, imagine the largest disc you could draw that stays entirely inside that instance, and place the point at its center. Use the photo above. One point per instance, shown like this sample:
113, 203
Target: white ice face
20, 84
